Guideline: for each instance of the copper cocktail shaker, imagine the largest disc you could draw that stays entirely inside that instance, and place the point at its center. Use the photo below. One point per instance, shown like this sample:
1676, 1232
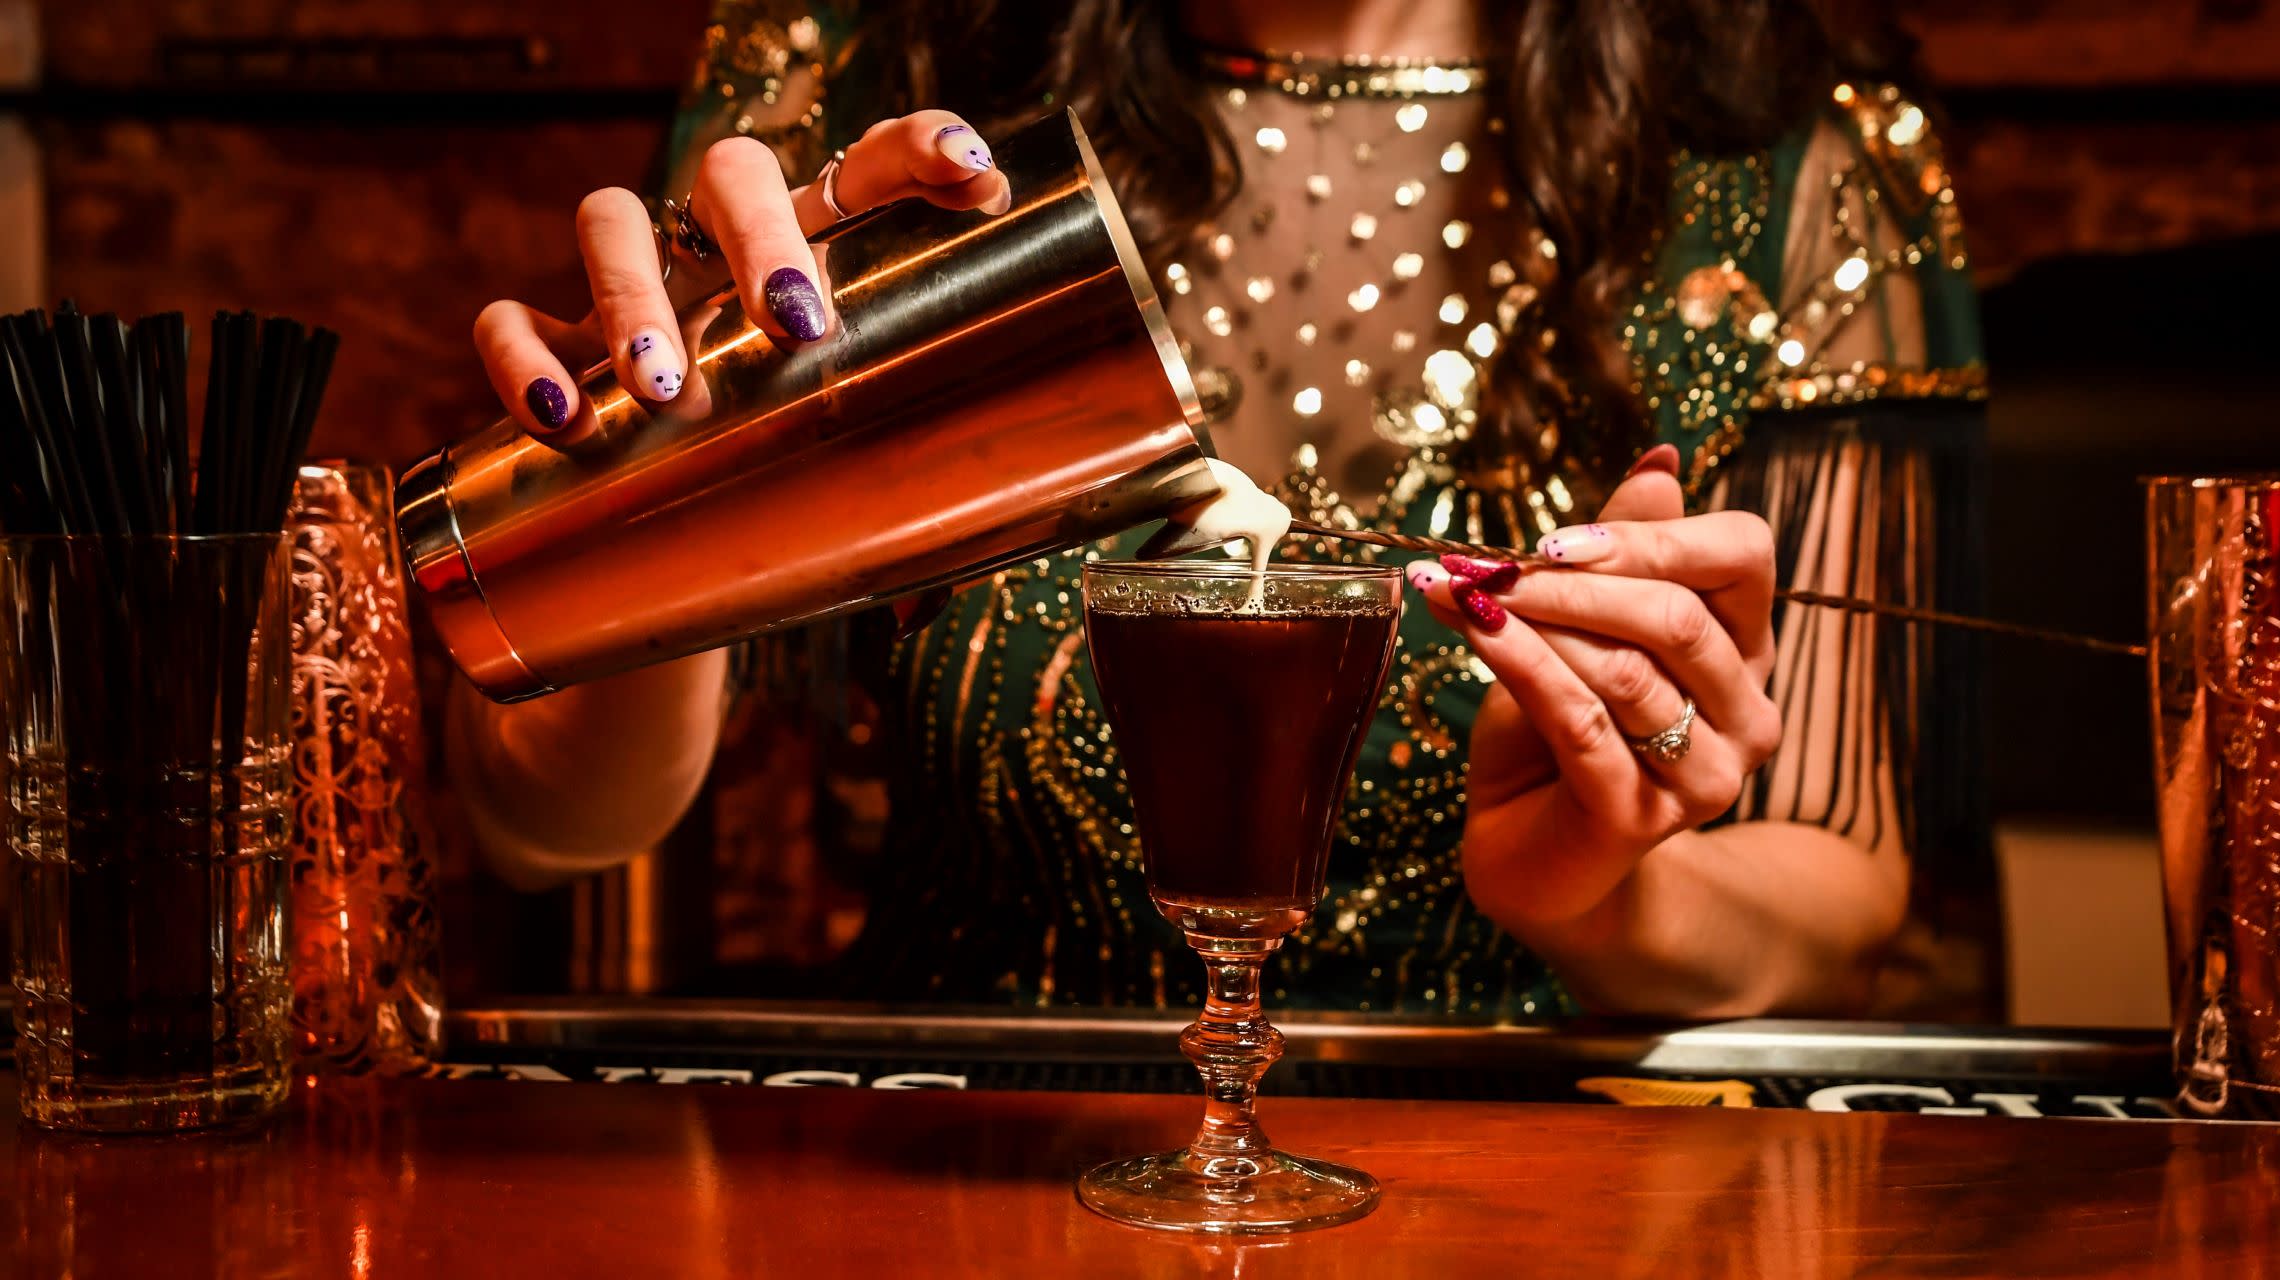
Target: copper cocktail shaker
998, 388
2213, 604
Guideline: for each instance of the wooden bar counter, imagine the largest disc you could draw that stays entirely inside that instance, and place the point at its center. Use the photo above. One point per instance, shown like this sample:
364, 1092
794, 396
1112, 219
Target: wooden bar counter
474, 1178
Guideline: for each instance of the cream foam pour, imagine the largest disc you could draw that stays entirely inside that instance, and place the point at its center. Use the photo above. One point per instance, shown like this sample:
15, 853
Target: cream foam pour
1242, 511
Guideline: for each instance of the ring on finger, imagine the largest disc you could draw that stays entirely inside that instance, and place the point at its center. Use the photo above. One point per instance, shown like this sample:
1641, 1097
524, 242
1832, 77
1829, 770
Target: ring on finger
678, 230
827, 183
1670, 745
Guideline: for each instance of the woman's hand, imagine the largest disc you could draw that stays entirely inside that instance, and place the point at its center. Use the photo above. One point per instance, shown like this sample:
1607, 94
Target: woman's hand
761, 226
1636, 615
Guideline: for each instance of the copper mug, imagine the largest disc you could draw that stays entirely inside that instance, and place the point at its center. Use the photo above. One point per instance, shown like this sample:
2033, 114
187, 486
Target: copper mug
998, 388
2213, 608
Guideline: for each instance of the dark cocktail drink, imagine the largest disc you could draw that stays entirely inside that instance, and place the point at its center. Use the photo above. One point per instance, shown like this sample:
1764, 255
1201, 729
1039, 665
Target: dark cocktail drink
1238, 735
1238, 701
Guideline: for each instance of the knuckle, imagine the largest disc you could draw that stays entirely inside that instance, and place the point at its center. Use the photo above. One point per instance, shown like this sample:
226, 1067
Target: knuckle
728, 165
1686, 622
1755, 538
1761, 736
1586, 729
1709, 790
1630, 677
494, 317
604, 207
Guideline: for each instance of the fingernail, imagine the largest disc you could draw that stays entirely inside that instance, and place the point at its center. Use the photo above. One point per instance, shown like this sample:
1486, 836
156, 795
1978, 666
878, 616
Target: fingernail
547, 403
965, 146
1580, 545
656, 366
1424, 575
792, 299
1488, 575
1483, 612
1000, 202
1663, 458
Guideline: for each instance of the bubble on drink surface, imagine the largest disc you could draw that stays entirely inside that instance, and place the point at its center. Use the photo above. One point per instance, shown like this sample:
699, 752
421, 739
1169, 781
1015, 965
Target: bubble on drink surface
1226, 590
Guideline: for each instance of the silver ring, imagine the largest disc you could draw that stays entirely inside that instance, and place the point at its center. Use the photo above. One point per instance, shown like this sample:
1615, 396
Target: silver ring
827, 184
684, 233
1670, 745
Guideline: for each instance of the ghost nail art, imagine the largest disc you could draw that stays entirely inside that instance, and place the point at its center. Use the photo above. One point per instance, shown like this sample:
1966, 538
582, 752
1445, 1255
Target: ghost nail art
1580, 545
964, 146
656, 365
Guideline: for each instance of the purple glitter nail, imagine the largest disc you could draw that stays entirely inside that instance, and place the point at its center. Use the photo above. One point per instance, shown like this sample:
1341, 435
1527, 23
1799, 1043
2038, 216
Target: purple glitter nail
793, 300
547, 403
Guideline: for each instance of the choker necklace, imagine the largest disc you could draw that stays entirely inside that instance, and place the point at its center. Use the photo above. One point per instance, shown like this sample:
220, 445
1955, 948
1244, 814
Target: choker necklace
1345, 77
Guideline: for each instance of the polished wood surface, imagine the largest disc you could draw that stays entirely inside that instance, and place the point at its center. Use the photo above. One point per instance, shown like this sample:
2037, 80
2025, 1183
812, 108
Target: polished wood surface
444, 1179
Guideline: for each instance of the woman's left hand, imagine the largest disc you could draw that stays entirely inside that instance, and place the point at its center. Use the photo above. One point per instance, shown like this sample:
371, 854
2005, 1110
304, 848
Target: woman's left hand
1592, 653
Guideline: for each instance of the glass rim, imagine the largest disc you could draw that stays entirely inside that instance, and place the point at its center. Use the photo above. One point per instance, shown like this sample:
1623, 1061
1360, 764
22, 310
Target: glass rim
196, 539
1222, 569
2248, 479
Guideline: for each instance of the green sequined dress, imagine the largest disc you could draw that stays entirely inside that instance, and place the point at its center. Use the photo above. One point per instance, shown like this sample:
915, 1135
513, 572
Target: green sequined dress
1806, 337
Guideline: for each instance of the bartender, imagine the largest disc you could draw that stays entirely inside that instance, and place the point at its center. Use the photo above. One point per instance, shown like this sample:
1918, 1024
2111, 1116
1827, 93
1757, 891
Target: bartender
1459, 270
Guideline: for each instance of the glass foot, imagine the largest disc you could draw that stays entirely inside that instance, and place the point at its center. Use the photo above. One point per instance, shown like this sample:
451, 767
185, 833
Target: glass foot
1177, 1191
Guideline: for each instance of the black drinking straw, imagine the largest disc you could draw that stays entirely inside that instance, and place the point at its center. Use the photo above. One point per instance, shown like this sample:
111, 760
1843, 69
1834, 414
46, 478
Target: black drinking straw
95, 440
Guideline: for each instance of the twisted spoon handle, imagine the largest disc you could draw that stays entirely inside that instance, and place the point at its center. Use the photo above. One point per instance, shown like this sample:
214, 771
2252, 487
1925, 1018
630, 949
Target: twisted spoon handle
1851, 604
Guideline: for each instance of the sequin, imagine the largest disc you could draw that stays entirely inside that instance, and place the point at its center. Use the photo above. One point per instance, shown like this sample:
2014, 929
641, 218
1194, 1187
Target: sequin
1323, 113
1357, 373
1363, 226
1404, 340
1850, 274
1454, 157
1409, 193
1450, 378
1364, 153
1762, 325
1456, 233
1236, 98
1259, 288
1271, 140
1702, 296
1453, 309
1545, 246
1318, 186
1223, 246
1307, 402
1907, 128
1513, 304
1411, 117
1177, 276
1216, 320
1408, 266
1482, 340
1307, 333
1500, 273
1363, 298
1790, 352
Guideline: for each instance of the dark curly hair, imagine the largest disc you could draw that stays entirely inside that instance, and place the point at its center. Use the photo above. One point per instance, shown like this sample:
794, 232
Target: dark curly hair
1609, 91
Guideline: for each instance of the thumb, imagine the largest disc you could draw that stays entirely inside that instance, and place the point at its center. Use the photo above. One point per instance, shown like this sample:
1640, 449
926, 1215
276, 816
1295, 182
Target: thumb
1650, 491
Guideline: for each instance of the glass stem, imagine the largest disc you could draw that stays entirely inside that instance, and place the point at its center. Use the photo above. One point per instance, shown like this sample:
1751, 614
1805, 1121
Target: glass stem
1231, 1045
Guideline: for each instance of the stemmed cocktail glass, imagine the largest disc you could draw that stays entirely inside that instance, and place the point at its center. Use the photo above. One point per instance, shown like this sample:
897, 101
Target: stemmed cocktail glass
1238, 704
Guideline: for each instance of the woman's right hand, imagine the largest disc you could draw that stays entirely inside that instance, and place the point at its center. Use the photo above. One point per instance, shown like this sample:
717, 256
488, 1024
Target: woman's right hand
741, 201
